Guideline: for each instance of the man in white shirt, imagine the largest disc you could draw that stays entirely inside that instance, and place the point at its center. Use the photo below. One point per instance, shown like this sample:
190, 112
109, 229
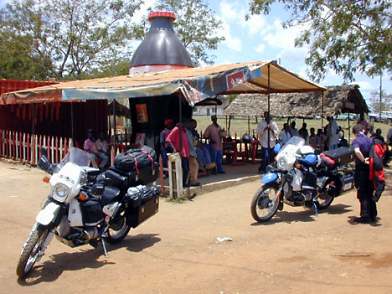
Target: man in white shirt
267, 131
333, 133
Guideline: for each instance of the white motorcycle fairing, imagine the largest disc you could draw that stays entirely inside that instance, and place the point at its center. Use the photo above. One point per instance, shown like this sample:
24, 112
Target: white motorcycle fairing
75, 214
48, 214
69, 175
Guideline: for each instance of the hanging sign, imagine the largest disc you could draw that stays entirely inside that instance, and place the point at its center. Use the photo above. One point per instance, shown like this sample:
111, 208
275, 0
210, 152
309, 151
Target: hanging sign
235, 79
141, 113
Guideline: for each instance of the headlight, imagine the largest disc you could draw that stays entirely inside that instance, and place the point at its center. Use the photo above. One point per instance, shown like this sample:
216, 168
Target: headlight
282, 164
60, 190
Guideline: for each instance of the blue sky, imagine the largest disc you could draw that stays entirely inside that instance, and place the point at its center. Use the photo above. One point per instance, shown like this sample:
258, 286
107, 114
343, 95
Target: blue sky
263, 38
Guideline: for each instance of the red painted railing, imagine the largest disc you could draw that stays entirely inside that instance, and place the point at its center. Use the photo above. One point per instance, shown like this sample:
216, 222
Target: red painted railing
26, 148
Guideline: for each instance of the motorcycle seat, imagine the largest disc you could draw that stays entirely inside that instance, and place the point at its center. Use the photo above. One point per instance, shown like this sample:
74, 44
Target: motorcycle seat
116, 180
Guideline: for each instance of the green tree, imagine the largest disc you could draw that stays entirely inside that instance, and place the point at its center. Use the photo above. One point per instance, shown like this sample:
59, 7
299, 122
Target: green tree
347, 36
77, 36
197, 27
17, 60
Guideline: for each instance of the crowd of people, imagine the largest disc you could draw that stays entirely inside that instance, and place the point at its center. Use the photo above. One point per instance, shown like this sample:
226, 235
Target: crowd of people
328, 138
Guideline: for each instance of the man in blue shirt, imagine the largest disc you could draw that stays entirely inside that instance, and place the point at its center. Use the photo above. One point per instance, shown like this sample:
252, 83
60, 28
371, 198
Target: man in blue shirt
362, 145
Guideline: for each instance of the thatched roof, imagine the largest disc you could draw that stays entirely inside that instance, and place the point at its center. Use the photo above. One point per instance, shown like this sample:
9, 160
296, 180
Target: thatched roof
337, 99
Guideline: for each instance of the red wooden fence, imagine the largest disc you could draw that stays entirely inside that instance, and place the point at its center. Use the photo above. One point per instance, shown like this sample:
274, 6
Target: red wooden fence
26, 148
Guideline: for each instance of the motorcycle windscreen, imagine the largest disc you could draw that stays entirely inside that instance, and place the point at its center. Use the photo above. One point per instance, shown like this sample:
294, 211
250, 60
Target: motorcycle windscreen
287, 155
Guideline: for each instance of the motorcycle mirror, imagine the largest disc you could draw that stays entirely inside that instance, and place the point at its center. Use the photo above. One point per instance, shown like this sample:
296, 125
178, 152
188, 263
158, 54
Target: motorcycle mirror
45, 165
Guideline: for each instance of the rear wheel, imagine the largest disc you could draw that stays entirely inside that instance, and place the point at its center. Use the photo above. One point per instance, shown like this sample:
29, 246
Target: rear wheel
118, 229
264, 204
32, 251
325, 196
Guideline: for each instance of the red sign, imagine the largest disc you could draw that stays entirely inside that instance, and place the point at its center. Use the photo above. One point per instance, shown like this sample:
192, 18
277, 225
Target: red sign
235, 79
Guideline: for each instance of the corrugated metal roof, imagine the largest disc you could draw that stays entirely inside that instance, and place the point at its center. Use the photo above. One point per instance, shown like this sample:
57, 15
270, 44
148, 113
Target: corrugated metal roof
195, 84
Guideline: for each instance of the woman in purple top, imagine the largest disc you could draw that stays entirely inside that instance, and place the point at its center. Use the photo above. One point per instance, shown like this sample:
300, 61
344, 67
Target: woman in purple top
362, 145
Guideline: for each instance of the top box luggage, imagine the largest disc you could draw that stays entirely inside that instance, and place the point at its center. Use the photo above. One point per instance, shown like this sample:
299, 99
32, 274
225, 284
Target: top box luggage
341, 155
140, 163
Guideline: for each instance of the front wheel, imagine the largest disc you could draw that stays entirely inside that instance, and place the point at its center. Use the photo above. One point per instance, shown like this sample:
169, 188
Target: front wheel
32, 251
264, 204
118, 229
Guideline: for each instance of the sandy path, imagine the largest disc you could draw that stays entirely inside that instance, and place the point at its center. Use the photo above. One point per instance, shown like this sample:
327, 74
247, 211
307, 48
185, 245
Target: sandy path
176, 250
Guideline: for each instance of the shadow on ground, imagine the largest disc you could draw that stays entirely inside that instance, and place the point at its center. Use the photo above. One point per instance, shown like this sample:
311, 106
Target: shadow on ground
87, 257
306, 215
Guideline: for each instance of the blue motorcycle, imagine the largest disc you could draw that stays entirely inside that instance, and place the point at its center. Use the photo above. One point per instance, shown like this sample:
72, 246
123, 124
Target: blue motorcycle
294, 181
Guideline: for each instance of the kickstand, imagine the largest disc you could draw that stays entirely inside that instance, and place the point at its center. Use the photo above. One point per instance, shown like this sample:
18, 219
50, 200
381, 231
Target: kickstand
104, 247
315, 209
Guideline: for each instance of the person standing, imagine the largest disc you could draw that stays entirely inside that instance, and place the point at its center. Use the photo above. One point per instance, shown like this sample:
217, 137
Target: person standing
332, 133
362, 145
303, 132
178, 139
193, 139
215, 134
293, 129
313, 140
165, 147
267, 130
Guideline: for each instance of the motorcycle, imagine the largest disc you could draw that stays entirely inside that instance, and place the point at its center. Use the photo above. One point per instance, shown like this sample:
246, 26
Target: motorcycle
300, 178
85, 206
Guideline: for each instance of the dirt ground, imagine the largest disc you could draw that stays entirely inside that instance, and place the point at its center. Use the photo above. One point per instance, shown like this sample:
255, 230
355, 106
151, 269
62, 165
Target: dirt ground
176, 251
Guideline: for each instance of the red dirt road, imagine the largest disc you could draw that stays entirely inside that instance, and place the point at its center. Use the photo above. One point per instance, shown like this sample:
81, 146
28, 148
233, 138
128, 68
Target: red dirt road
176, 250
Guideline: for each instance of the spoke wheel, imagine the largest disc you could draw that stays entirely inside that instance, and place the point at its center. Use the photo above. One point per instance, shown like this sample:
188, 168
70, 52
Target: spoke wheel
31, 251
264, 204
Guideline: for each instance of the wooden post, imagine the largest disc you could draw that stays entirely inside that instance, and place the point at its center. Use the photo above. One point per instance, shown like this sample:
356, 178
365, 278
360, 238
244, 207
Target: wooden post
72, 124
322, 110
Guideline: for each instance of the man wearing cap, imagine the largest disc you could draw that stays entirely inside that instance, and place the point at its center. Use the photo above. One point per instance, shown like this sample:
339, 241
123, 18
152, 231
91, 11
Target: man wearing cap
215, 134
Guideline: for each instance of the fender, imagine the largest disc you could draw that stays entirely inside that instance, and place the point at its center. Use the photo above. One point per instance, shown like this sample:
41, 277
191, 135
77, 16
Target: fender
269, 179
48, 214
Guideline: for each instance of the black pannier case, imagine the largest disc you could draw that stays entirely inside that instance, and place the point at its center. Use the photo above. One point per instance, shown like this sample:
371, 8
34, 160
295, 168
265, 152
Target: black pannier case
143, 203
138, 165
341, 155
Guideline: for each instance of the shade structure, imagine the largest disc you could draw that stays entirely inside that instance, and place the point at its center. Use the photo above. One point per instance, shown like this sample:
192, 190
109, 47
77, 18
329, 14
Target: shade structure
195, 84
336, 100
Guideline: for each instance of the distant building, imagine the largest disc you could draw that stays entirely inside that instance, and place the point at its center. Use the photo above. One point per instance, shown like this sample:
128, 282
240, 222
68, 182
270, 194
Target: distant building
209, 110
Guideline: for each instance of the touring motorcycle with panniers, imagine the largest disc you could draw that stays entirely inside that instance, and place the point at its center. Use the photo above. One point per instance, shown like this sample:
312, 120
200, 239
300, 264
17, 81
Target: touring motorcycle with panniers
88, 206
300, 177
